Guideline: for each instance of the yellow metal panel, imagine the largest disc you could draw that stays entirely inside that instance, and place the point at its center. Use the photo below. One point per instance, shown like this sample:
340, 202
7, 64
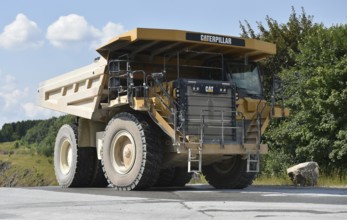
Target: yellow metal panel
252, 48
278, 112
164, 125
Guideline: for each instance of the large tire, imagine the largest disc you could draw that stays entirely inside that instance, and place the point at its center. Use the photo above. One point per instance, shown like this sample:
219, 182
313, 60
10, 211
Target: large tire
229, 174
131, 156
173, 177
166, 177
72, 165
99, 179
181, 177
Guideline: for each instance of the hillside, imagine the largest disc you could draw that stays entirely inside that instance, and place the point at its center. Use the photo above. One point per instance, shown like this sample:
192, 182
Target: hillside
26, 152
22, 166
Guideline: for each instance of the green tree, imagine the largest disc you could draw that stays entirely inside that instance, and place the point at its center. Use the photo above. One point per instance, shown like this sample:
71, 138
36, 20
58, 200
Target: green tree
286, 36
42, 135
39, 134
16, 130
312, 61
319, 104
316, 129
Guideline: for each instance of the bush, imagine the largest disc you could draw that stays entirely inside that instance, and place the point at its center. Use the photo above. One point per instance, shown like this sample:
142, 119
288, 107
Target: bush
41, 137
275, 163
16, 145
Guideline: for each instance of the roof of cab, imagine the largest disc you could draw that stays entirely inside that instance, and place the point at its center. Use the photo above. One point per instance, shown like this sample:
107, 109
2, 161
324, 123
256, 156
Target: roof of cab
156, 42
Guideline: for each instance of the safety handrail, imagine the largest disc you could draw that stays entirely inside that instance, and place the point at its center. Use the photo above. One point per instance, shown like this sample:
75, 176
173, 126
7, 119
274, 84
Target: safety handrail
203, 124
258, 120
172, 108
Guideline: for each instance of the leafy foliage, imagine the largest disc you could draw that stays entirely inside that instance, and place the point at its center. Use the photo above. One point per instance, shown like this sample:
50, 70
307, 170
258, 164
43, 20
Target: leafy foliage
287, 38
15, 131
39, 134
42, 136
312, 61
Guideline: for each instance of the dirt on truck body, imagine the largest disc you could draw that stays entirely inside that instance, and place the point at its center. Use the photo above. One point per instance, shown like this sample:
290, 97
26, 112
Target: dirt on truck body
159, 105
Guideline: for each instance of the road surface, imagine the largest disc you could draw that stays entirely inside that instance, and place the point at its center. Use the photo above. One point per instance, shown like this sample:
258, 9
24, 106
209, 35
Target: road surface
192, 202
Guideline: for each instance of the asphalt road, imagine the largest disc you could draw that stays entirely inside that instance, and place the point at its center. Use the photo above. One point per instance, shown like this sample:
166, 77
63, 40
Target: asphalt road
191, 202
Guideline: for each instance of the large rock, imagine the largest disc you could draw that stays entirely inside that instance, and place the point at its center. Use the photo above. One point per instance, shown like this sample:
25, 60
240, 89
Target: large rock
304, 174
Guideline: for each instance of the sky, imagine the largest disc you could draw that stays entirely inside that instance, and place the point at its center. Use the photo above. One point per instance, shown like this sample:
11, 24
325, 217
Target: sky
40, 39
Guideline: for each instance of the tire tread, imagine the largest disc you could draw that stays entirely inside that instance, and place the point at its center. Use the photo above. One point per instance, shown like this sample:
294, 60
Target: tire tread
152, 153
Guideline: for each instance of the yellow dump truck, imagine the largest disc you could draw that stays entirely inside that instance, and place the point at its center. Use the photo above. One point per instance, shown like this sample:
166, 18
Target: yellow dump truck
159, 105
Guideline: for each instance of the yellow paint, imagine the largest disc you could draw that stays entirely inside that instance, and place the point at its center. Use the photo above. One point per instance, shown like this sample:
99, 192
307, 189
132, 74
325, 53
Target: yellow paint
254, 49
167, 128
278, 112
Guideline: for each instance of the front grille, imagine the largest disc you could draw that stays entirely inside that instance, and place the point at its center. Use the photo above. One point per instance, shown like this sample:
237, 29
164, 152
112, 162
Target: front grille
209, 110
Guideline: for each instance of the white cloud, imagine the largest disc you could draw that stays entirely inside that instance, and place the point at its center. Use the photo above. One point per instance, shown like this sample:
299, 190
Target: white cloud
33, 111
21, 33
109, 31
74, 30
17, 104
13, 97
70, 29
9, 93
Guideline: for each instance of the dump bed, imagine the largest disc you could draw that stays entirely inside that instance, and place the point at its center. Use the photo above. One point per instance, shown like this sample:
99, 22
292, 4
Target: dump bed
77, 92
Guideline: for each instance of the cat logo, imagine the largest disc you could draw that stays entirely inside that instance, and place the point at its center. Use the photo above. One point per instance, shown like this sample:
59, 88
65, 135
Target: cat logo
209, 89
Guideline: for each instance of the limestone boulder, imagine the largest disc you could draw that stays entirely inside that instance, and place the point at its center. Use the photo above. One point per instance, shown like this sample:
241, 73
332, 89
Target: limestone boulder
304, 174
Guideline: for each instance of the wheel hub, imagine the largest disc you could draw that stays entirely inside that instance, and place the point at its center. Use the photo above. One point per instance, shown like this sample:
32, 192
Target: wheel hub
123, 152
65, 156
126, 152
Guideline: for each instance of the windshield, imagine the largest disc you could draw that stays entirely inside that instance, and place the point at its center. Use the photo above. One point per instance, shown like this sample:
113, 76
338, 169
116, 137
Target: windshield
246, 78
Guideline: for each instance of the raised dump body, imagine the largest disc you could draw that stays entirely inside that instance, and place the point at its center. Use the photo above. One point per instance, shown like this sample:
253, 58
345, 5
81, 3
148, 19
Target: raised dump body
77, 92
159, 105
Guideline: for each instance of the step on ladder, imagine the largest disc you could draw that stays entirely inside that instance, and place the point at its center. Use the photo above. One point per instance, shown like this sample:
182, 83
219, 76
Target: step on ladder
194, 159
253, 162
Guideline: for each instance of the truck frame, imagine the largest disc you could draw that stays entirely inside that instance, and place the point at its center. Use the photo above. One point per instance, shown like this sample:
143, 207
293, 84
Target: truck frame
159, 105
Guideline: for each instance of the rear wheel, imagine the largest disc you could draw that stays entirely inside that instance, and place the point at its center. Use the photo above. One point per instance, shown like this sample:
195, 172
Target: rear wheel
173, 177
166, 177
182, 177
131, 156
72, 164
229, 174
76, 166
99, 179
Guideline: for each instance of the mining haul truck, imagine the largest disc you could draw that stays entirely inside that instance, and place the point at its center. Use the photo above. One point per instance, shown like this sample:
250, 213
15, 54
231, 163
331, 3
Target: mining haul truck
159, 105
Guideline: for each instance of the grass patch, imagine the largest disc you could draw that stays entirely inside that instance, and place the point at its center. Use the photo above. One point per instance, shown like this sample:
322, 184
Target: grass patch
332, 181
198, 179
265, 180
323, 181
23, 167
272, 180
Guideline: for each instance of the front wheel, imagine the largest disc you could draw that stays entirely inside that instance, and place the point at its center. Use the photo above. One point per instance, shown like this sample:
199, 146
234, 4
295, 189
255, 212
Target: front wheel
131, 156
229, 174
